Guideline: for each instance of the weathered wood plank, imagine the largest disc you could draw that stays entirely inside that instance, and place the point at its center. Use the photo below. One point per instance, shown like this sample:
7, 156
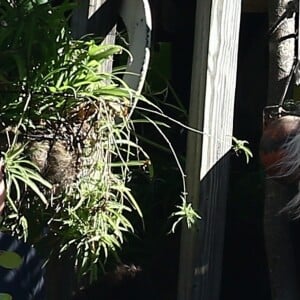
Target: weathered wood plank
211, 110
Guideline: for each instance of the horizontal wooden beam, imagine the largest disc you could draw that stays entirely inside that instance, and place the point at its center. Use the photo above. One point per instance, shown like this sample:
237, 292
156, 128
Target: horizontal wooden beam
255, 6
211, 110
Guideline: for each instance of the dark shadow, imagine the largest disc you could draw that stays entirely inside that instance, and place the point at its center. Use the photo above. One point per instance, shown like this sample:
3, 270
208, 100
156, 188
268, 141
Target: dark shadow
105, 18
231, 266
245, 272
210, 231
126, 282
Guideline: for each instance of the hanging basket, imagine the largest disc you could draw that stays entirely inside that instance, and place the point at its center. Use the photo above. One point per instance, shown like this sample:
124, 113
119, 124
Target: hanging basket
54, 151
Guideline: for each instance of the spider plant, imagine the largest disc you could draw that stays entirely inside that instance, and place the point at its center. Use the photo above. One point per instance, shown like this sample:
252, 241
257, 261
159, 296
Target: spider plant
59, 104
68, 136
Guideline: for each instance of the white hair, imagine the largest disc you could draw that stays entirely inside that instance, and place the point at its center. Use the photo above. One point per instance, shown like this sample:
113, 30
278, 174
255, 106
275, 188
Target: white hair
293, 206
290, 163
290, 166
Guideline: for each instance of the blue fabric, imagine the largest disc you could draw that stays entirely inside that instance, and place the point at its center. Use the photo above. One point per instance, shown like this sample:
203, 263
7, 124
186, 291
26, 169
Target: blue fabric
27, 281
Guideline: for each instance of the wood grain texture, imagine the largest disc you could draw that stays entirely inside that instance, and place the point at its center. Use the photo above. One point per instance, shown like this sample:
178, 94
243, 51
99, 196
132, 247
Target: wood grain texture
211, 110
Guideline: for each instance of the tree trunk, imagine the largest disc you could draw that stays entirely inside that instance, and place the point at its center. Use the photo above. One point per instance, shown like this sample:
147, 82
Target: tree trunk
279, 248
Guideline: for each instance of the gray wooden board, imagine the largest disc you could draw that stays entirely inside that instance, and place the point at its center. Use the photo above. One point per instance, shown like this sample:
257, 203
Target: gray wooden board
211, 110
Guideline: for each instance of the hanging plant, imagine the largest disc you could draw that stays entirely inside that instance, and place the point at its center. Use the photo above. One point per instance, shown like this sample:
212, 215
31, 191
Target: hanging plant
75, 129
67, 137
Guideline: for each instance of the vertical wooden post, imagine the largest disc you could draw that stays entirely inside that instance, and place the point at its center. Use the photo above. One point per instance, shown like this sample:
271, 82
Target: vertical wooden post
211, 110
279, 248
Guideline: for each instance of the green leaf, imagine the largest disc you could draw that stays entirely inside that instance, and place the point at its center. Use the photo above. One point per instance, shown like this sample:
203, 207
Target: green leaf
4, 296
10, 260
99, 52
239, 146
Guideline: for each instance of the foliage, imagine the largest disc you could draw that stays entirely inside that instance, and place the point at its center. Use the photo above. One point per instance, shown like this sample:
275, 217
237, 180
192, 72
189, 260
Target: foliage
21, 175
30, 35
58, 103
68, 136
185, 212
